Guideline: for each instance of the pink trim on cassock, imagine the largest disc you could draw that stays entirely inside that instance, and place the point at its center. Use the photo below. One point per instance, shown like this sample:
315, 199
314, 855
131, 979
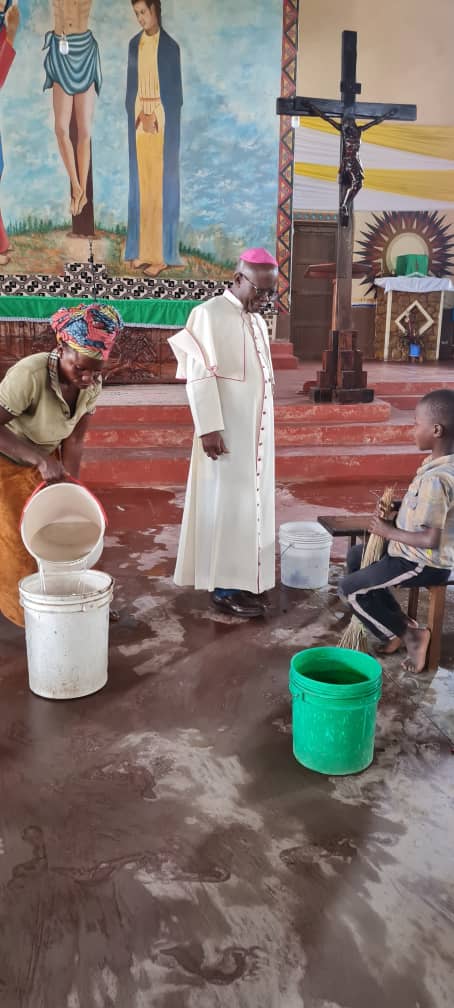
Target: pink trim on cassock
185, 345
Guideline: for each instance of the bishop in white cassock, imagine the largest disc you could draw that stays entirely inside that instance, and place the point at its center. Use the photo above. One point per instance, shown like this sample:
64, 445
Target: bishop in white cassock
227, 542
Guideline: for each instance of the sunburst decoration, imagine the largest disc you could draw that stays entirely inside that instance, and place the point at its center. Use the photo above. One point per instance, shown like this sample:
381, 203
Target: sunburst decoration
429, 228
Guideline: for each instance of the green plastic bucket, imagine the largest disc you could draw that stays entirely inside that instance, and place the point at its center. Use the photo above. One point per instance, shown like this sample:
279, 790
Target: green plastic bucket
335, 693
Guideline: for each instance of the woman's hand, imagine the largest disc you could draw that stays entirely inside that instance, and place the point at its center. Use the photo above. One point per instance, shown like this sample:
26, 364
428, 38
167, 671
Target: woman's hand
52, 469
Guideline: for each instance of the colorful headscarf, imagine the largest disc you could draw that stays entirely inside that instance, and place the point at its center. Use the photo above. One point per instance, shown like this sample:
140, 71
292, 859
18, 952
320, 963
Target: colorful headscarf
88, 329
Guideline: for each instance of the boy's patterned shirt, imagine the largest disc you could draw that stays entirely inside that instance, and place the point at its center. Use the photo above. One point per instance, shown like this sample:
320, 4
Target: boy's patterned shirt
429, 503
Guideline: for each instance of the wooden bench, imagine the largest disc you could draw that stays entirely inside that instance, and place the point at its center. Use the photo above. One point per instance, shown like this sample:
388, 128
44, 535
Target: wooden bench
351, 526
354, 526
435, 616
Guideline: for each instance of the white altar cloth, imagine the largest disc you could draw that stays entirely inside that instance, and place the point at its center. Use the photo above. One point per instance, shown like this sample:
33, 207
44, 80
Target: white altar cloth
418, 285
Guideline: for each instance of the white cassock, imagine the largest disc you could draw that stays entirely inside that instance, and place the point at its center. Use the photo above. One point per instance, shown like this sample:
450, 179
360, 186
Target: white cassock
227, 533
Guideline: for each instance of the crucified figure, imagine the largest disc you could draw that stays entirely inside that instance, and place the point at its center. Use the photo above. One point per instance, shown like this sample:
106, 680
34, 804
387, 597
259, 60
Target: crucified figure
351, 171
73, 71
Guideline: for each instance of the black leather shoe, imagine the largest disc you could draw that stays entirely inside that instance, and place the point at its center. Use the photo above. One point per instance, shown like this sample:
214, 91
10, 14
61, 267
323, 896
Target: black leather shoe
261, 600
237, 604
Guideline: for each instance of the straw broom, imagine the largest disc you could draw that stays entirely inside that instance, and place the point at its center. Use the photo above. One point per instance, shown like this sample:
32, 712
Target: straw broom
354, 636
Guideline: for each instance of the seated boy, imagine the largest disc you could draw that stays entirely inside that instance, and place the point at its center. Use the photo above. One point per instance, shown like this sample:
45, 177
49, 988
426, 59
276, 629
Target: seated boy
421, 540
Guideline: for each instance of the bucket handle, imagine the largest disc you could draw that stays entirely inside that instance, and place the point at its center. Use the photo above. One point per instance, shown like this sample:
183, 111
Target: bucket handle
69, 479
290, 546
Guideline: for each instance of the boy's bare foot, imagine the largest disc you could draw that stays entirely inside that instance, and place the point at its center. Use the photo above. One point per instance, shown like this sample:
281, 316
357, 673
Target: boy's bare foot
394, 643
417, 640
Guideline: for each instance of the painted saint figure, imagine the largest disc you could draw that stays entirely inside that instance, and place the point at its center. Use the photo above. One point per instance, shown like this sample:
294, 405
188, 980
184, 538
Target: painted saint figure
9, 23
73, 71
153, 104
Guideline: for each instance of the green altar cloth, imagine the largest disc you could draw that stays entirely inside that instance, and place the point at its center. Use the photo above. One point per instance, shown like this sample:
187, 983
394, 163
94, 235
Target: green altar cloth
412, 265
154, 312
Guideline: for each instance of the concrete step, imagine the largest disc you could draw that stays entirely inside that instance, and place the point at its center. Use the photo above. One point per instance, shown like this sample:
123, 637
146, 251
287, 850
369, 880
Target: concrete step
286, 433
133, 466
403, 402
383, 389
282, 356
300, 411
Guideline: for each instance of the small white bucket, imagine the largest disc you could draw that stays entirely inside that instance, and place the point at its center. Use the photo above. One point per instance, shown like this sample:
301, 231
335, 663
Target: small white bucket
67, 632
305, 552
63, 526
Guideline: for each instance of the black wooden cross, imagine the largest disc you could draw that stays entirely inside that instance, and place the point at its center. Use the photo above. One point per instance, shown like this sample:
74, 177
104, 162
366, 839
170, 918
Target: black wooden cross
342, 377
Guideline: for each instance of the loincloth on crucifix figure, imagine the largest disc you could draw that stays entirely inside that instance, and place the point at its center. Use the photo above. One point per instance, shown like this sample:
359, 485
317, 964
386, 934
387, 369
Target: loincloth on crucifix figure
73, 72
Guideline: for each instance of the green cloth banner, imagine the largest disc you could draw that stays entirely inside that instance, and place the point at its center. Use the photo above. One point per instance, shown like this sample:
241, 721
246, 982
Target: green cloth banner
142, 312
412, 265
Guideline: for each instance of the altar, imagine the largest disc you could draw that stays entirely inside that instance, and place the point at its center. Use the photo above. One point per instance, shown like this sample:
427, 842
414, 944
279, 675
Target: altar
421, 297
141, 355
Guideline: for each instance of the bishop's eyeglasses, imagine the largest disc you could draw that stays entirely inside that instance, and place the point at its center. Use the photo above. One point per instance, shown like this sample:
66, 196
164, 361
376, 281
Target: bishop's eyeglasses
271, 295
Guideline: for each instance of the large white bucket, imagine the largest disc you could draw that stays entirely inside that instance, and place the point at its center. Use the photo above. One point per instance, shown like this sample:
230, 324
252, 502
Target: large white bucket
63, 526
305, 553
67, 632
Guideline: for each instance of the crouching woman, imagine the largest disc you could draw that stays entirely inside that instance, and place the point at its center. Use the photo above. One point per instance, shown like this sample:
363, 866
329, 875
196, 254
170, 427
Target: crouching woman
46, 401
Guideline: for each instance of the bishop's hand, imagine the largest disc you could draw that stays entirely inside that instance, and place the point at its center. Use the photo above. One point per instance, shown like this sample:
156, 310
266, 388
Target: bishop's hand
213, 445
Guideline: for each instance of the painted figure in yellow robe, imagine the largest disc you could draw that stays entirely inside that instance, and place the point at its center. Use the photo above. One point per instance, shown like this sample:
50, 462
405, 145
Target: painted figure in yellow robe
153, 103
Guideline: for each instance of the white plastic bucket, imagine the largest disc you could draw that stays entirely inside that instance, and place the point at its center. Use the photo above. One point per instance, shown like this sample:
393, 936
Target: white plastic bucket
48, 512
305, 552
67, 632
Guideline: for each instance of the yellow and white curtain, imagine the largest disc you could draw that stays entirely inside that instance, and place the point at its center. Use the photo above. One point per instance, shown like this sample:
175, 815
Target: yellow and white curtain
407, 167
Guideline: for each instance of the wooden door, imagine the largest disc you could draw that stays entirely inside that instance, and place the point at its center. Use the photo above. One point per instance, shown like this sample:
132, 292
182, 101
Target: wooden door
311, 304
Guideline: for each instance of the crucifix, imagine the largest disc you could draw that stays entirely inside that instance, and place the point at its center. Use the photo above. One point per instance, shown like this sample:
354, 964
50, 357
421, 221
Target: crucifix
342, 378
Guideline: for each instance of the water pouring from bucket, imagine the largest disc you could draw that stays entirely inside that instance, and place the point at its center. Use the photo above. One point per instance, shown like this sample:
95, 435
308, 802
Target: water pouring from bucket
63, 526
66, 605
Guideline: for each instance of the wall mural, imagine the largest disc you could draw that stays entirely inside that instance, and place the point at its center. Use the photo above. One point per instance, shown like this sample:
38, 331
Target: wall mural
149, 127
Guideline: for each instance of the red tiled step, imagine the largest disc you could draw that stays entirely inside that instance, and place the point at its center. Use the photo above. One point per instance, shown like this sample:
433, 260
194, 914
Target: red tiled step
287, 433
299, 411
404, 402
383, 389
282, 356
371, 463
142, 467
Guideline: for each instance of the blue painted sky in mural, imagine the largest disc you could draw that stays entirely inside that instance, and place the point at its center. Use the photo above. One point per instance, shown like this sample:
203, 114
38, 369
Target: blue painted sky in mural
229, 153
